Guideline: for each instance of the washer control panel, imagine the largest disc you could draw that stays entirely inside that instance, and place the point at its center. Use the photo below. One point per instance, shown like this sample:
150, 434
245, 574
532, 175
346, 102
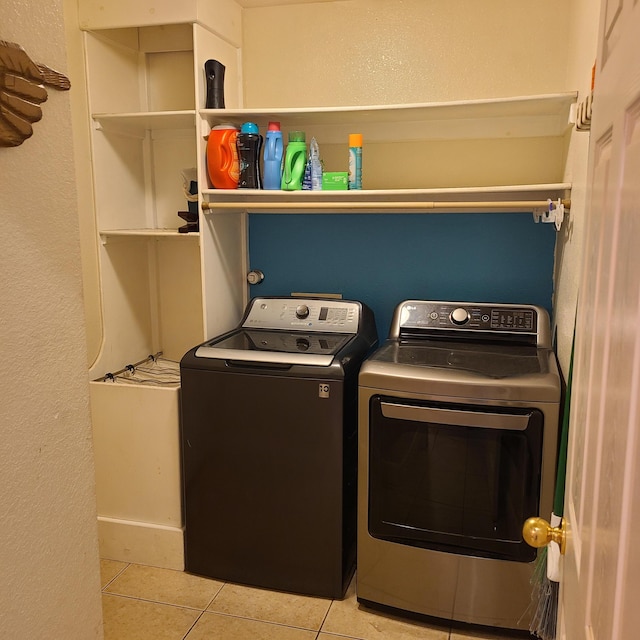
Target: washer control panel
431, 317
305, 314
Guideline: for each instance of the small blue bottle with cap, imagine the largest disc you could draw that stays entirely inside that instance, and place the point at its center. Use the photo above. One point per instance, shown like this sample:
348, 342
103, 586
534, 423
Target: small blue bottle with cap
249, 144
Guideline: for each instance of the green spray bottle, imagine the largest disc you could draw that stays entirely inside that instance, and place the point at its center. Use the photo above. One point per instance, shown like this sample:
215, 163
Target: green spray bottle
295, 160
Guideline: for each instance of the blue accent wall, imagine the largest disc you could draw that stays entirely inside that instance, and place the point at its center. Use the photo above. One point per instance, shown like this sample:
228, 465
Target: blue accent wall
383, 259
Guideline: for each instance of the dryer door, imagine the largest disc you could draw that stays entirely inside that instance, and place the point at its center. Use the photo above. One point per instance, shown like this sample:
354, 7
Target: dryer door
454, 478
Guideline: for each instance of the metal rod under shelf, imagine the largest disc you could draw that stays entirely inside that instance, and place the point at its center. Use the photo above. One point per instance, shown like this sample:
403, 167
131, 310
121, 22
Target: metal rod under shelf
513, 205
110, 377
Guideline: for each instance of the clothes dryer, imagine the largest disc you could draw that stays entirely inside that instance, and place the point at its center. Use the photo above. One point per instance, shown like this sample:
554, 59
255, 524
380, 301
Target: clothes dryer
457, 448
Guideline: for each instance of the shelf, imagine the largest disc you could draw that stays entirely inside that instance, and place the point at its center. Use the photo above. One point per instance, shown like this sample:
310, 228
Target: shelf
138, 123
147, 233
526, 116
513, 198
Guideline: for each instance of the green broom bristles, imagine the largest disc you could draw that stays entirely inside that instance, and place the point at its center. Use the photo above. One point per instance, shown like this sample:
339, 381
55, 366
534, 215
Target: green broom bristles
543, 622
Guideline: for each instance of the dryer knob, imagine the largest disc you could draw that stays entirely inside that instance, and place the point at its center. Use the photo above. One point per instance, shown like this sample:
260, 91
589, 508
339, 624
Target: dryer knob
459, 316
302, 311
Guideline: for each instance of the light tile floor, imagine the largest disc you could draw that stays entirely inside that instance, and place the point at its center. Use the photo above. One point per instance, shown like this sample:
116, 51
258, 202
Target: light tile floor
147, 603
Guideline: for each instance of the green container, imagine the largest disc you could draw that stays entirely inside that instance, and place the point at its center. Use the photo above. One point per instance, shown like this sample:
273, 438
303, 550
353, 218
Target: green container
295, 159
335, 181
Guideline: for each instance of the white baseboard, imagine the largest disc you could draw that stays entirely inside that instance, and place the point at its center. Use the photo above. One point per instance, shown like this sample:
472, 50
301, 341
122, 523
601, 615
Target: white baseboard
141, 543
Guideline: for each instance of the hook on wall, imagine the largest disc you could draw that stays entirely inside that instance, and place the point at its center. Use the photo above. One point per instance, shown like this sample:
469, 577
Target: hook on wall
554, 212
22, 91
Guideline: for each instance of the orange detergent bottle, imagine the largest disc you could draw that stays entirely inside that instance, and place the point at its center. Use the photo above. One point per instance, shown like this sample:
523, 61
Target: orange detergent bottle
222, 157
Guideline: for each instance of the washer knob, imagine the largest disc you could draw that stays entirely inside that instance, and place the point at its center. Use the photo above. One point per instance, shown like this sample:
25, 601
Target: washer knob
459, 316
302, 311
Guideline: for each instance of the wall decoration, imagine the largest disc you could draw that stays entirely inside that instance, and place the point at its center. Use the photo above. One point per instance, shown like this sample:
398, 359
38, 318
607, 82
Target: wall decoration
22, 91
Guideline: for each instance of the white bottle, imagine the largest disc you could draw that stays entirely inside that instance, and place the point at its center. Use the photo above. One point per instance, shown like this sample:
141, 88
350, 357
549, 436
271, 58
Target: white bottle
316, 165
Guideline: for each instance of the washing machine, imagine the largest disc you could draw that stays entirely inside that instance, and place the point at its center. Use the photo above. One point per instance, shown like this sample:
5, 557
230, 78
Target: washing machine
458, 437
269, 446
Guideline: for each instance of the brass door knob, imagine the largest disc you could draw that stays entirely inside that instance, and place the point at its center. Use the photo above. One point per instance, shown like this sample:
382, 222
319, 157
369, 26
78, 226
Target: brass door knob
537, 532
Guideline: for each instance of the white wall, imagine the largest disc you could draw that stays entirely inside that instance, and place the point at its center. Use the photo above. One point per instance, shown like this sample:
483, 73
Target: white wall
84, 184
582, 37
49, 552
380, 52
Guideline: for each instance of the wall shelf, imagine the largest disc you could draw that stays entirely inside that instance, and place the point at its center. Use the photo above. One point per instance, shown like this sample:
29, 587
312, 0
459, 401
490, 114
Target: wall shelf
138, 123
148, 233
515, 199
447, 125
518, 117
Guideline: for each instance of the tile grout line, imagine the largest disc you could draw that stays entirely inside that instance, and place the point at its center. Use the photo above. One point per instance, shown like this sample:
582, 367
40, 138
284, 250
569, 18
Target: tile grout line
195, 622
324, 619
271, 622
326, 615
102, 588
160, 602
216, 594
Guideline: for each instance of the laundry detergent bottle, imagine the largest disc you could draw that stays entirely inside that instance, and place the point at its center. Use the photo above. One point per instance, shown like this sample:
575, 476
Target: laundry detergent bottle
294, 161
249, 142
272, 160
222, 157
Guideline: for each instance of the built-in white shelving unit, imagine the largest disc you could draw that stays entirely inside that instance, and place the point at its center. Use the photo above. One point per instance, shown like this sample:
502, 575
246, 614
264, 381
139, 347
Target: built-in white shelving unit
520, 118
145, 83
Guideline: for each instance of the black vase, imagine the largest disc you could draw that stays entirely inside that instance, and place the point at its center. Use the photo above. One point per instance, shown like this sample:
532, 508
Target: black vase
214, 74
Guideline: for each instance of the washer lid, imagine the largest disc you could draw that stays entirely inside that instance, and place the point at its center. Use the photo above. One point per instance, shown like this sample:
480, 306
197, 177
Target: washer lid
276, 347
495, 361
464, 370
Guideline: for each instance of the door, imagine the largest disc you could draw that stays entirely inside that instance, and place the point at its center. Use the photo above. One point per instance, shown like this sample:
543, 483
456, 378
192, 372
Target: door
454, 478
599, 594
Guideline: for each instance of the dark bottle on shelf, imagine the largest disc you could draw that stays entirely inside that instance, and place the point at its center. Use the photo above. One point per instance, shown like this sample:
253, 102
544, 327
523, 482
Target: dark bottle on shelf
214, 77
249, 143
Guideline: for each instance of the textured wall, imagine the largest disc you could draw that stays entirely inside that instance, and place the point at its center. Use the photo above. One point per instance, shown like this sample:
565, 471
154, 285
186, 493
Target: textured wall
380, 52
382, 259
49, 557
582, 38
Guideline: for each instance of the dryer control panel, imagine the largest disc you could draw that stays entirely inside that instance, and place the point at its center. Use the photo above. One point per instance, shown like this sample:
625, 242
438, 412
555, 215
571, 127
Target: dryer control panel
428, 318
305, 314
